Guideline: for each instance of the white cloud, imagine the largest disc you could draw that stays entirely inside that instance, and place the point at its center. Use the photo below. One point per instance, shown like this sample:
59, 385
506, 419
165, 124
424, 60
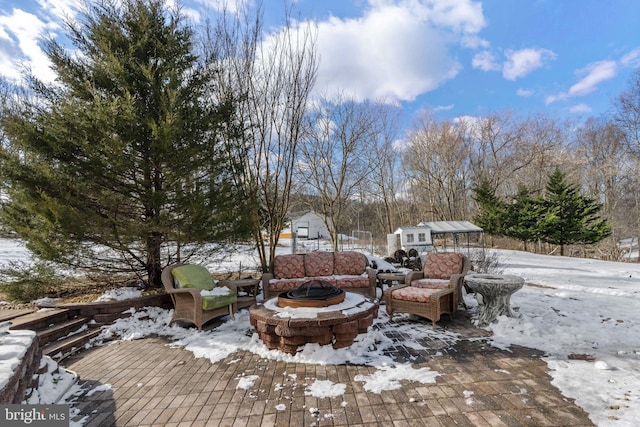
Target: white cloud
474, 42
485, 61
20, 35
592, 75
461, 15
397, 49
524, 92
62, 9
518, 63
232, 6
443, 107
580, 108
631, 59
521, 62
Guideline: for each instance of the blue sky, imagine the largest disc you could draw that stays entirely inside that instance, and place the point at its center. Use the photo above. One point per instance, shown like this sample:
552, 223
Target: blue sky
566, 58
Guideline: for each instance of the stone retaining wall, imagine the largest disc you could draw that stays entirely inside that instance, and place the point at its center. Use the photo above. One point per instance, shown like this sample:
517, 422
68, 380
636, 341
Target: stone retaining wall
20, 357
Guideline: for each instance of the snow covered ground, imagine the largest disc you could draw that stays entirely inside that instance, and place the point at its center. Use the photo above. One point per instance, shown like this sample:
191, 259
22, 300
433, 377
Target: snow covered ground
571, 309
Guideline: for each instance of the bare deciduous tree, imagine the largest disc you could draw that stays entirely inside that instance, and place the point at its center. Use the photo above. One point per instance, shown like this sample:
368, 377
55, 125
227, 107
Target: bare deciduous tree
628, 113
628, 119
335, 158
386, 178
600, 159
270, 79
437, 162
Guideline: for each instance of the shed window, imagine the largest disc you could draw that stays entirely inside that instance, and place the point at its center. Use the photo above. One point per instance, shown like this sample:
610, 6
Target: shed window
410, 238
422, 237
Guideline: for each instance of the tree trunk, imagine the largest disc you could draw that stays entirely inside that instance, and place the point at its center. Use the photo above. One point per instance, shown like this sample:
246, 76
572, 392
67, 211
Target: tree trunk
154, 263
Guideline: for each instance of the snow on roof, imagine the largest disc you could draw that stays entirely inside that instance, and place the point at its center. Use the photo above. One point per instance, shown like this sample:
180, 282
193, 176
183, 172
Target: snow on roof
441, 227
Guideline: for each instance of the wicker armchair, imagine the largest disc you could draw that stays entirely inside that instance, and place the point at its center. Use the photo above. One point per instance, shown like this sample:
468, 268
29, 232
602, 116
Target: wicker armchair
432, 292
189, 303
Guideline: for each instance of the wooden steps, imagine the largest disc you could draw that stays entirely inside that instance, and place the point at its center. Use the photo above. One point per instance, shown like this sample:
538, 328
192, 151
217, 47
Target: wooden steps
63, 329
6, 315
69, 345
60, 332
41, 319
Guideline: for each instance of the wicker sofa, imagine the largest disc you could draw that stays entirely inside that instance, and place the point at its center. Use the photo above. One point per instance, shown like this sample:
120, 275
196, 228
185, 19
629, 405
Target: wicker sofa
347, 270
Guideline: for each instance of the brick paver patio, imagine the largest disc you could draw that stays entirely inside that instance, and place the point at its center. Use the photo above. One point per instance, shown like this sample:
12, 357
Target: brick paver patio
154, 384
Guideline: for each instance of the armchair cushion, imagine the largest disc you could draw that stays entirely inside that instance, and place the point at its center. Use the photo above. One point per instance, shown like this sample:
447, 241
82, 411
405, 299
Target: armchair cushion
431, 283
193, 276
217, 297
443, 265
413, 294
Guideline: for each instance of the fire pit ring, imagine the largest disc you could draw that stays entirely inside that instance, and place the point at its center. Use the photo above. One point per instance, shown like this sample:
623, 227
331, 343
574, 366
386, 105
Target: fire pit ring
314, 293
288, 328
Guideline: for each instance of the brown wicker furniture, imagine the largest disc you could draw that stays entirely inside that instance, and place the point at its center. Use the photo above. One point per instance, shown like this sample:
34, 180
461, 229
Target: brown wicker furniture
246, 289
444, 270
423, 302
432, 292
347, 270
189, 303
390, 279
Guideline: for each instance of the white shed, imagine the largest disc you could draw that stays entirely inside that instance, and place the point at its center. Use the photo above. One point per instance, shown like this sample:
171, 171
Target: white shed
421, 237
306, 225
415, 237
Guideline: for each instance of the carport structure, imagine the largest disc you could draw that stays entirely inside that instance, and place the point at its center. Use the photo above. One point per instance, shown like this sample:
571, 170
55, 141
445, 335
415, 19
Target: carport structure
464, 231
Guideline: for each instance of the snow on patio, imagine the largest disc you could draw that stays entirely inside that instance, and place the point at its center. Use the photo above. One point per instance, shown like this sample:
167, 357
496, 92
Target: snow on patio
570, 308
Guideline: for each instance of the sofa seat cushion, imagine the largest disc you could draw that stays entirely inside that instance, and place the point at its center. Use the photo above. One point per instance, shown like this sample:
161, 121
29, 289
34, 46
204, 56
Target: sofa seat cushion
349, 263
443, 265
209, 302
288, 267
318, 264
281, 285
352, 281
329, 279
413, 294
193, 276
431, 283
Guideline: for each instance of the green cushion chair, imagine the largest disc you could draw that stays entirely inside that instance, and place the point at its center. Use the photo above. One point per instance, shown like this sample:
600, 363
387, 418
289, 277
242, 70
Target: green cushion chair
194, 294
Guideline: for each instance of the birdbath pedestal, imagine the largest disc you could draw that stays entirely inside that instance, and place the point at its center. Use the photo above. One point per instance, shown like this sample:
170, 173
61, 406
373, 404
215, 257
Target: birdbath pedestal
496, 291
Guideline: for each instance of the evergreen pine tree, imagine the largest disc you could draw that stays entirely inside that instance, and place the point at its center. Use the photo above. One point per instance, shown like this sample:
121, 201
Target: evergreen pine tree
491, 210
569, 217
522, 217
125, 151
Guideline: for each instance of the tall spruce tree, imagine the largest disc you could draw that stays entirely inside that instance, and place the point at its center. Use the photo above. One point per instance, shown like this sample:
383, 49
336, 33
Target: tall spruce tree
522, 217
491, 210
124, 151
570, 217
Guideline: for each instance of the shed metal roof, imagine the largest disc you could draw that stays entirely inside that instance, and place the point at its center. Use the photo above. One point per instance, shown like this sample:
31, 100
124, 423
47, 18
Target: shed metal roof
441, 227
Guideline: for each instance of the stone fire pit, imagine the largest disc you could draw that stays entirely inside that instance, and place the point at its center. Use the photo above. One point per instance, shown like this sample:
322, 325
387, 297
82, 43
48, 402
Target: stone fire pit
287, 328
